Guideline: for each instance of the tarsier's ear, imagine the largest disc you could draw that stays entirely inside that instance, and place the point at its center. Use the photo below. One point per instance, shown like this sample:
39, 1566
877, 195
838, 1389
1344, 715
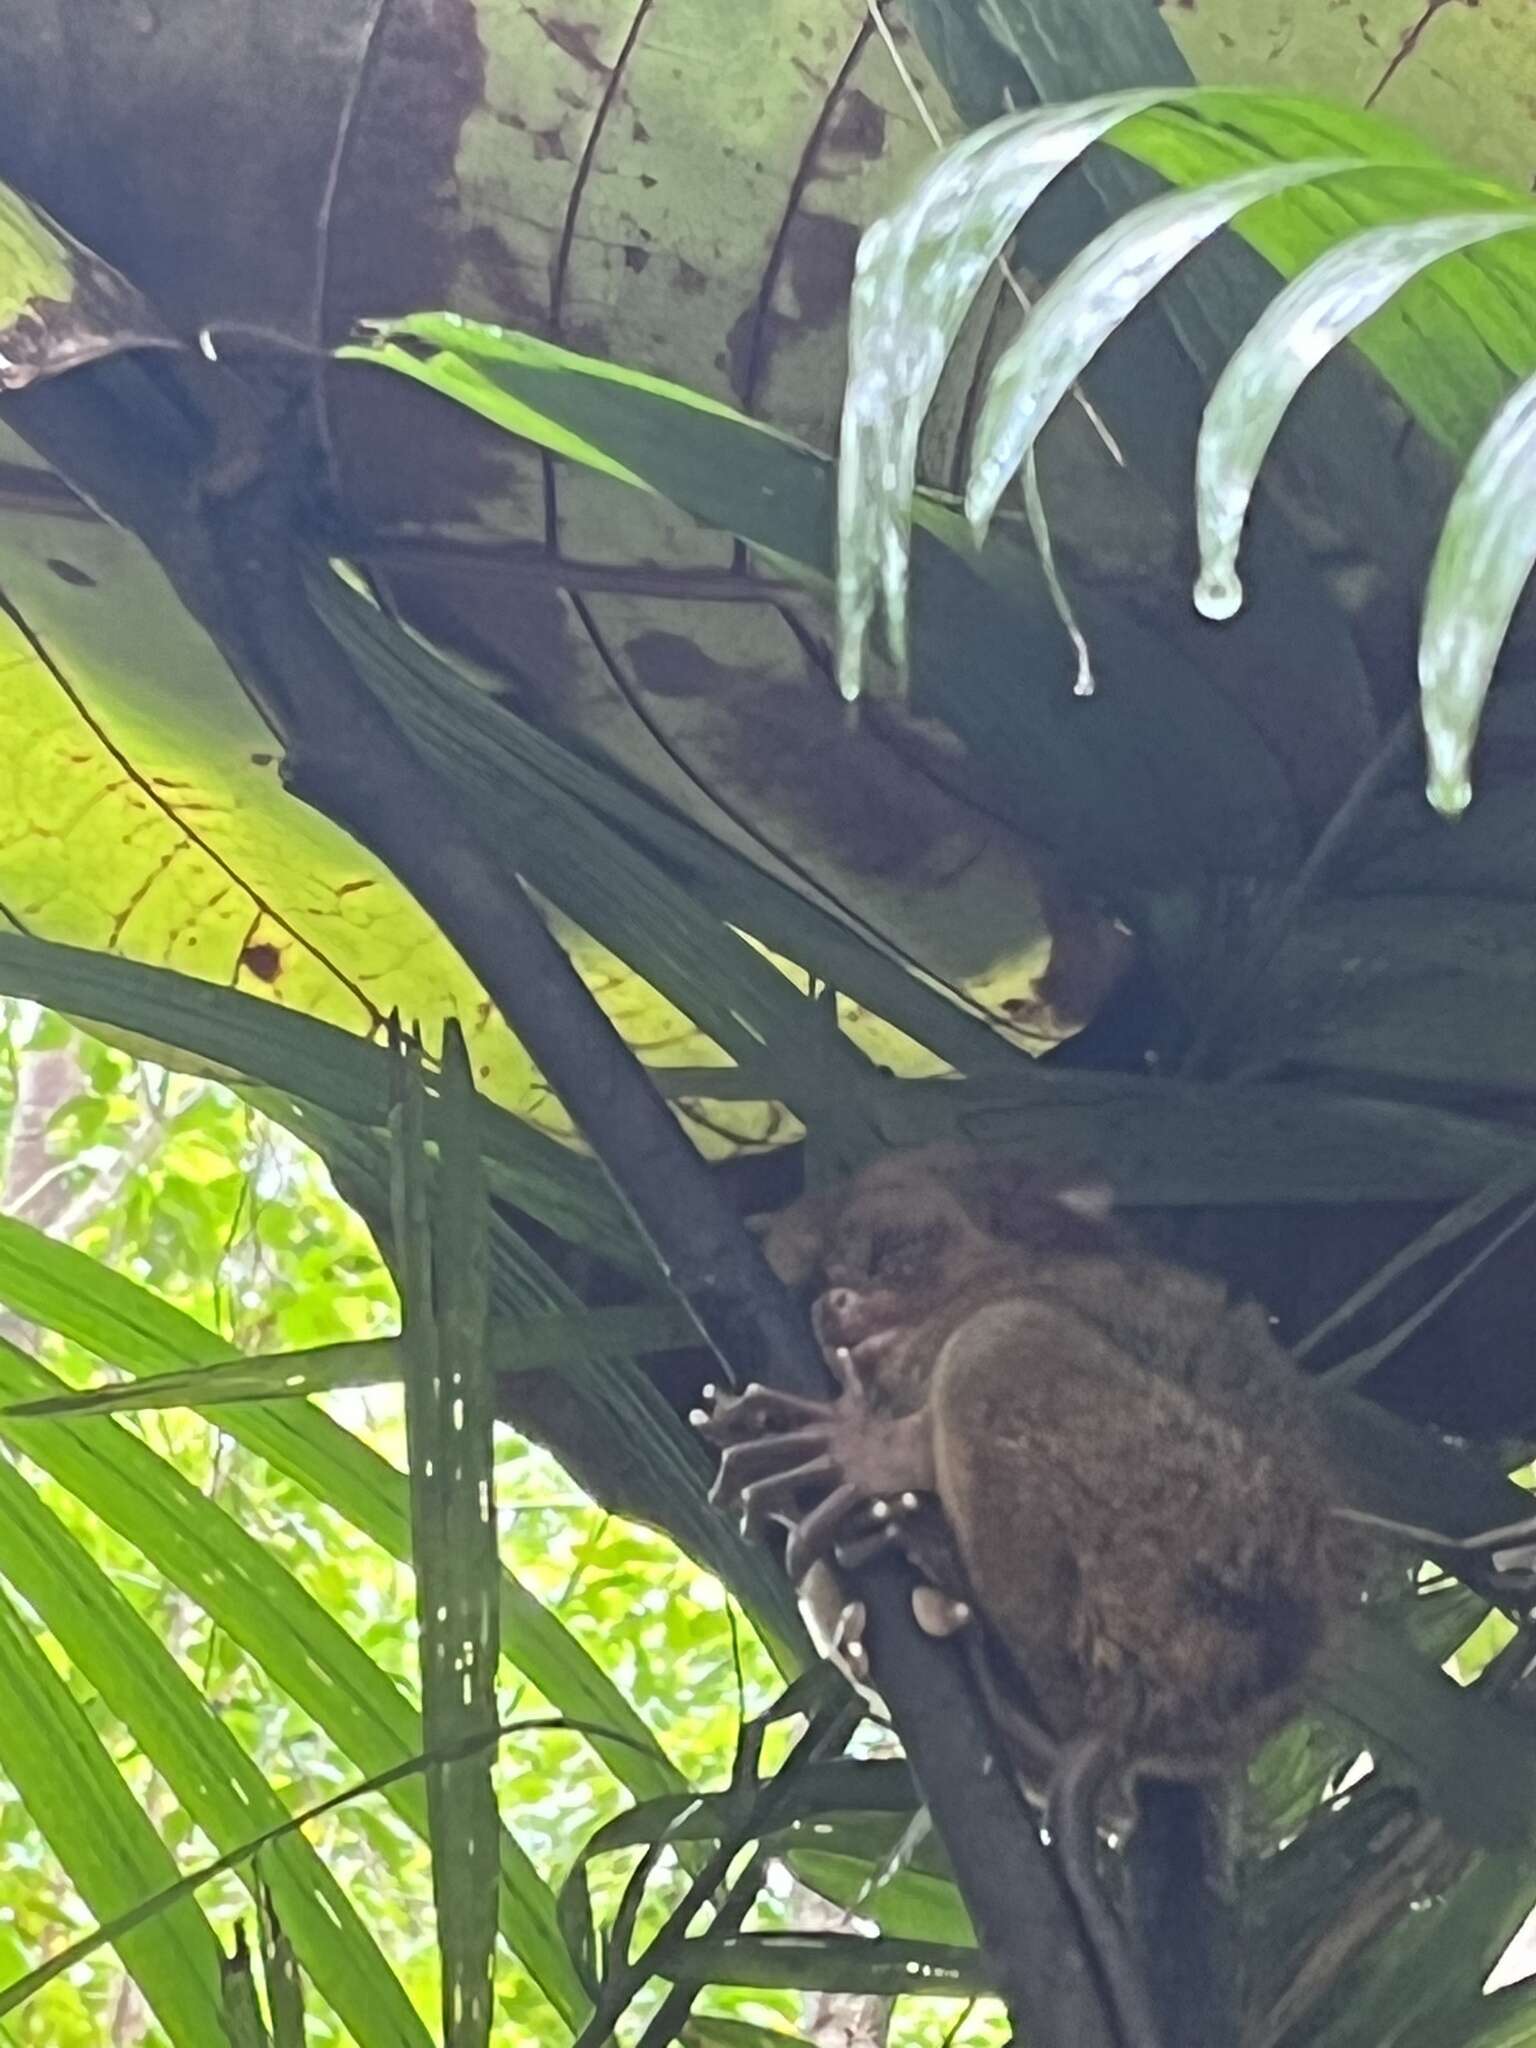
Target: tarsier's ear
794, 1239
1094, 1199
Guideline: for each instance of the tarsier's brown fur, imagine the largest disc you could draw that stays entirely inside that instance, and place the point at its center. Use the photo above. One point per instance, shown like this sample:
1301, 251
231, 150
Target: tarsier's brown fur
1118, 1470
1128, 1465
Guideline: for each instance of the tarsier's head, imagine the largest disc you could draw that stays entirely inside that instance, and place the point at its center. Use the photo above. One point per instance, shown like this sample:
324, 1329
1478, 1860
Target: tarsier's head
918, 1224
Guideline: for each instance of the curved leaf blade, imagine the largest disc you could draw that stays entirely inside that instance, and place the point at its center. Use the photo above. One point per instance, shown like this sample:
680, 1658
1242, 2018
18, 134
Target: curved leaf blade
1484, 559
61, 305
112, 1851
211, 1776
1099, 289
1326, 304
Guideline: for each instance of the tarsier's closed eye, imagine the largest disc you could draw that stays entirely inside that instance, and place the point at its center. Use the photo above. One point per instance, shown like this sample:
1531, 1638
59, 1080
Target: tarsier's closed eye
899, 1253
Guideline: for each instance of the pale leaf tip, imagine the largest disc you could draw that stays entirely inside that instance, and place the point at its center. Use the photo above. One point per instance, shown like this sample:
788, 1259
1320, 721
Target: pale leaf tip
1449, 793
1219, 594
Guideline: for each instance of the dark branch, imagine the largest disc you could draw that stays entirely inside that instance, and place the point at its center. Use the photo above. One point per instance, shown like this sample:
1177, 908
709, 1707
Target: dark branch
236, 560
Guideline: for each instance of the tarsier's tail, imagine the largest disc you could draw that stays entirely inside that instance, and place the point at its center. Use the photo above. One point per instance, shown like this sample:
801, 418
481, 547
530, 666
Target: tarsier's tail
1083, 1768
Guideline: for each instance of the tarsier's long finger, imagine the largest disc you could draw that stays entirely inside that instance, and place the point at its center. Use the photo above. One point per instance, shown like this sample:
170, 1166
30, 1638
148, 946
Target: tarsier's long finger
848, 1641
859, 1549
756, 1409
851, 1369
759, 1457
780, 1492
816, 1533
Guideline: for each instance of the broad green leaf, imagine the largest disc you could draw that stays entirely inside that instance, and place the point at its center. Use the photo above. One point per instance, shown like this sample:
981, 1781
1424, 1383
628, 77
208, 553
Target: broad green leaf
238, 1037
216, 1783
1394, 989
487, 749
186, 851
505, 772
1467, 91
1469, 1755
1172, 779
60, 305
1431, 1963
300, 1647
112, 1851
1086, 304
222, 870
1175, 1143
103, 1312
1501, 2019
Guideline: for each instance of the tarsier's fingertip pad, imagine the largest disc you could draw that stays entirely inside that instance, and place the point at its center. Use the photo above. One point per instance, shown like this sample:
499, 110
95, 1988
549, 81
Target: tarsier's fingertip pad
938, 1614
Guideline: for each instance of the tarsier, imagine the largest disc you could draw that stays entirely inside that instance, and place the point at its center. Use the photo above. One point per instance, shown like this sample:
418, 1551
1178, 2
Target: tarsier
1106, 1474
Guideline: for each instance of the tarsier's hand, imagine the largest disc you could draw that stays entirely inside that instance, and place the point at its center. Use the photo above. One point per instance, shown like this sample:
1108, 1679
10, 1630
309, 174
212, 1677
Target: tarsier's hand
840, 1473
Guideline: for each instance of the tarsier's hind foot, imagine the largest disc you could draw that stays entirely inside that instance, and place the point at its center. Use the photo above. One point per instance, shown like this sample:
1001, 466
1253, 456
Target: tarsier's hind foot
839, 1472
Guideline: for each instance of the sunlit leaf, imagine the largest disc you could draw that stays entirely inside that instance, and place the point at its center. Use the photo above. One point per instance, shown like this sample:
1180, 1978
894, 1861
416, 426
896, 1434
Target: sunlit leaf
918, 272
450, 1422
1481, 565
238, 1582
1172, 778
1083, 307
213, 1778
60, 304
1322, 307
75, 1795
